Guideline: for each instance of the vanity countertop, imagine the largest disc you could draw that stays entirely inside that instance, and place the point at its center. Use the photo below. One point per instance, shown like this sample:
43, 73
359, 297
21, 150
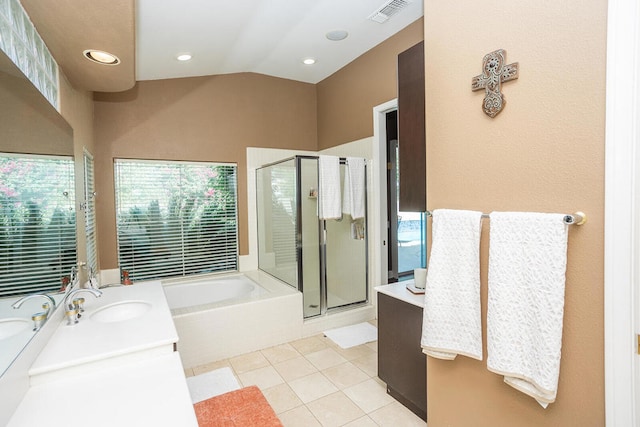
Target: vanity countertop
151, 392
399, 291
91, 344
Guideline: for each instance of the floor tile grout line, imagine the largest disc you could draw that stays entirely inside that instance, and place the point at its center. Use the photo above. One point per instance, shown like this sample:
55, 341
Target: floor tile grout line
368, 373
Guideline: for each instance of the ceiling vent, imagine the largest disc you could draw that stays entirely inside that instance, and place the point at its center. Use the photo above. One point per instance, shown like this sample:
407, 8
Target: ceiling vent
388, 9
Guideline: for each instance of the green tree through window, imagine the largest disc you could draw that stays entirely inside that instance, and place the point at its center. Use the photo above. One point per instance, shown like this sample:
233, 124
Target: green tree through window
37, 223
175, 218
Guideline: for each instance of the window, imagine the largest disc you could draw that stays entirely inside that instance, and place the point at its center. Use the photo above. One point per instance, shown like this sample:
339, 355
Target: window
175, 218
37, 223
20, 40
89, 207
411, 235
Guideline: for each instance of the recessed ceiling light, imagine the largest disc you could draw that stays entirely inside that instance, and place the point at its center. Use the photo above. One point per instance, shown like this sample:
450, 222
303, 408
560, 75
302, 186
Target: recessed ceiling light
184, 57
101, 57
337, 35
309, 61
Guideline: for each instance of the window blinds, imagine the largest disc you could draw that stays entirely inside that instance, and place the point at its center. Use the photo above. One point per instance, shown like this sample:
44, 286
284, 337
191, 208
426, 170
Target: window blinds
175, 218
90, 213
37, 223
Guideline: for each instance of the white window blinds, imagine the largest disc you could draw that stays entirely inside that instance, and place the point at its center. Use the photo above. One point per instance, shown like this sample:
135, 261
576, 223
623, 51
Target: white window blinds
37, 223
90, 213
175, 218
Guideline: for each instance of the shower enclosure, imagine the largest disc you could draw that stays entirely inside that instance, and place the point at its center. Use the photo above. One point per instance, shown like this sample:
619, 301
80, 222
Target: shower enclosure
326, 260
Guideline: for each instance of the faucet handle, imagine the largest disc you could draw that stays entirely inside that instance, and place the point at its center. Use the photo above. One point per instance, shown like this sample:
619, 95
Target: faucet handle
78, 304
71, 314
38, 320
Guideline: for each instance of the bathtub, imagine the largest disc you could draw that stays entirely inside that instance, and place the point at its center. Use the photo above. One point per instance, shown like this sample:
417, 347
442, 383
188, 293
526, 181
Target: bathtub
208, 292
223, 316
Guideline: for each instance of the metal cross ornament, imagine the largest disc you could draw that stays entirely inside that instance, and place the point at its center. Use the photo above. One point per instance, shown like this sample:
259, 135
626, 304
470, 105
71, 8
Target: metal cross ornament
494, 72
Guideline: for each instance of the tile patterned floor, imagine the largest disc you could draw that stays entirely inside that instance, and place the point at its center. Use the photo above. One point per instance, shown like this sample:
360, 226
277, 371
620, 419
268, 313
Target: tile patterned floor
313, 382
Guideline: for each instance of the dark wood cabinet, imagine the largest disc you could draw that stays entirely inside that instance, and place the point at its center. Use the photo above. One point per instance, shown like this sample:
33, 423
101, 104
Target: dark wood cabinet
401, 363
411, 130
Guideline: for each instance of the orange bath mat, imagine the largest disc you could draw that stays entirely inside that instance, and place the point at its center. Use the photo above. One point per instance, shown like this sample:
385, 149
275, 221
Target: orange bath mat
239, 408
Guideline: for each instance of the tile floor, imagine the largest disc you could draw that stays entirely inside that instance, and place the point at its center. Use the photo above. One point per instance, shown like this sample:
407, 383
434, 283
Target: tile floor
313, 382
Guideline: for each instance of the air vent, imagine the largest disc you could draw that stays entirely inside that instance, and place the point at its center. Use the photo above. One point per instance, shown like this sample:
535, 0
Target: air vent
387, 10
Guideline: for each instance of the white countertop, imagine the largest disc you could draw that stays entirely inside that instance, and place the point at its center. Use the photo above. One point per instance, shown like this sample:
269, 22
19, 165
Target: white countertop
151, 392
399, 290
90, 341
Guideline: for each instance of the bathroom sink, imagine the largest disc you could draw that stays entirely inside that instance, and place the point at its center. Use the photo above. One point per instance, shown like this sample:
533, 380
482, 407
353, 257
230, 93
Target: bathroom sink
13, 326
120, 311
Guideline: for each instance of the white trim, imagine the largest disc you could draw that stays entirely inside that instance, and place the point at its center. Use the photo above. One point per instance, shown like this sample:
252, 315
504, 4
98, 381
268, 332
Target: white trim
379, 198
621, 240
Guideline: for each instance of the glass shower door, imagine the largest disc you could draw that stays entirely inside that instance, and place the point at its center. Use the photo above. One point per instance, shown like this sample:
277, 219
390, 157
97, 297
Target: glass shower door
325, 260
277, 207
346, 260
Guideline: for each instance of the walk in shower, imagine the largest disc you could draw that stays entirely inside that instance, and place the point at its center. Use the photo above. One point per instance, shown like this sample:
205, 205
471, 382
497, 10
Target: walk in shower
326, 260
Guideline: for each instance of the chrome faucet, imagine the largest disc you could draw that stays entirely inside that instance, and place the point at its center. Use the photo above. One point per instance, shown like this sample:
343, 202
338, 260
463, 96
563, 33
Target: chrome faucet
73, 306
50, 300
39, 319
73, 276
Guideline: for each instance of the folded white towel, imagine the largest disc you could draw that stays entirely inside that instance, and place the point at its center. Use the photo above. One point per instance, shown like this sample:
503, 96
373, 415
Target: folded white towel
527, 264
452, 321
353, 193
329, 187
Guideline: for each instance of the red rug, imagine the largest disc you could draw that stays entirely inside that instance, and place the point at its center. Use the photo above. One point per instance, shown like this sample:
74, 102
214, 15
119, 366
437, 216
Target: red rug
246, 407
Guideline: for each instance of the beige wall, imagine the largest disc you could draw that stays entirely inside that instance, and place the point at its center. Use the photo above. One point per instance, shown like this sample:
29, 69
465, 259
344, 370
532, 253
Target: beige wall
76, 106
544, 152
213, 118
346, 98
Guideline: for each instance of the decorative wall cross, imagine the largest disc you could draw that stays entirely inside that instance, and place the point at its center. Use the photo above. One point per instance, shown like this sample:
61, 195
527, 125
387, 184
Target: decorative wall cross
494, 72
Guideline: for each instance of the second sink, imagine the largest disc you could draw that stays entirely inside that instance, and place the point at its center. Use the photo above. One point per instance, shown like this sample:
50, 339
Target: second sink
13, 326
120, 311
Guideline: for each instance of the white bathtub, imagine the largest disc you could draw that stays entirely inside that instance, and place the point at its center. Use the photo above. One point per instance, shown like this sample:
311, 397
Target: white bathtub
204, 292
224, 316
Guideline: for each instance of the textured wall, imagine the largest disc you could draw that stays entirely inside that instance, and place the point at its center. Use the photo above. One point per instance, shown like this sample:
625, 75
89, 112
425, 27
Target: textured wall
544, 152
76, 106
212, 118
347, 97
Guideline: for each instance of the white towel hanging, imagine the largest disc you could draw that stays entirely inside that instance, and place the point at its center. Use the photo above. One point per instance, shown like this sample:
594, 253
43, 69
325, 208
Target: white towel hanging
354, 186
329, 196
527, 264
452, 320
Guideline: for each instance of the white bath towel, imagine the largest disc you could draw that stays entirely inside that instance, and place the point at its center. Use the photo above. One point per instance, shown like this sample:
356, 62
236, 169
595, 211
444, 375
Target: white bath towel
329, 196
353, 192
452, 321
527, 265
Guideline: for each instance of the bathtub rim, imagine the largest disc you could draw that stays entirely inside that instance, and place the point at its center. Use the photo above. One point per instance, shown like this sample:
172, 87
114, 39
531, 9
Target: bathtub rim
274, 288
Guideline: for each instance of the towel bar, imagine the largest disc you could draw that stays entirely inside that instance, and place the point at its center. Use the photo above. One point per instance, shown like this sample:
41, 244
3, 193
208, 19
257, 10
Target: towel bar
578, 218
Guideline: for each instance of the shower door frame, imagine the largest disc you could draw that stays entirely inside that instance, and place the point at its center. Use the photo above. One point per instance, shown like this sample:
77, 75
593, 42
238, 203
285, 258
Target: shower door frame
322, 239
322, 233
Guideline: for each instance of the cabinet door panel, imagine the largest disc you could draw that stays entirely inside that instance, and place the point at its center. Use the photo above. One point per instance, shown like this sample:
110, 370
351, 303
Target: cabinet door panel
401, 363
411, 130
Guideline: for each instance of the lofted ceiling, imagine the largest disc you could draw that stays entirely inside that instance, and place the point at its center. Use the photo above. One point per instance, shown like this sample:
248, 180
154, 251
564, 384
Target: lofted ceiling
69, 27
269, 37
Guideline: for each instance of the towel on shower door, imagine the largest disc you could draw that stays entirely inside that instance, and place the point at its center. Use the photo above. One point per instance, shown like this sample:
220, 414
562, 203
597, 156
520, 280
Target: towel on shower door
353, 193
452, 321
329, 187
527, 264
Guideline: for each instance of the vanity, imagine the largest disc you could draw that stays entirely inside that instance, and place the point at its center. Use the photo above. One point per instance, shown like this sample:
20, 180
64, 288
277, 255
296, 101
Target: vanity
401, 363
117, 366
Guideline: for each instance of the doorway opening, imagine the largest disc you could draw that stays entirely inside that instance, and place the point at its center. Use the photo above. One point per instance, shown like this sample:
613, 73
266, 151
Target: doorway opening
406, 231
